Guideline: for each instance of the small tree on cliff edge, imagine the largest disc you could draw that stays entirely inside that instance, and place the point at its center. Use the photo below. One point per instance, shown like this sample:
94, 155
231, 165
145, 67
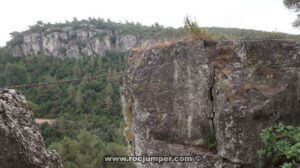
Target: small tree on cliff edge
295, 6
193, 30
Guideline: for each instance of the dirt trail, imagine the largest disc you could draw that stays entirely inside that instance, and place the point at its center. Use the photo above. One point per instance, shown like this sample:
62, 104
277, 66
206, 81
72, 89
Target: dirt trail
43, 120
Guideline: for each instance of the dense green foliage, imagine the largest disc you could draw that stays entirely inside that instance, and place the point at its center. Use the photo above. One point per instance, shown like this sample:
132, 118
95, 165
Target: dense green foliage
87, 151
281, 147
91, 105
192, 30
294, 5
156, 31
108, 129
97, 97
239, 34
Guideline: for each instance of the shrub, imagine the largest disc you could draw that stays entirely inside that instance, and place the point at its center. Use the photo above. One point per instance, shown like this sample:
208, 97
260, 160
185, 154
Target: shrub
113, 39
210, 140
72, 37
281, 147
17, 38
192, 30
101, 35
88, 151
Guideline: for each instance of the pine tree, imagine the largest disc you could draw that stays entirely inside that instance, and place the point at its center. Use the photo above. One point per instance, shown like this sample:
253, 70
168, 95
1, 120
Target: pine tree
295, 6
87, 151
15, 74
193, 30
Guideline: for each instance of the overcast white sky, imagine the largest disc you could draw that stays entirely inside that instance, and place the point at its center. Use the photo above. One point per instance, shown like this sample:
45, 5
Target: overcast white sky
268, 15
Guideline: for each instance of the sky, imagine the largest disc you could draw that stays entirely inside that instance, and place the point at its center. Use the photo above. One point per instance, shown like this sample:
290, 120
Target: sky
267, 15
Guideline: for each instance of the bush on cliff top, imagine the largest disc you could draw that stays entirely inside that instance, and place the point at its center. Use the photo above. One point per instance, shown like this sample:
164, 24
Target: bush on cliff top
192, 30
281, 147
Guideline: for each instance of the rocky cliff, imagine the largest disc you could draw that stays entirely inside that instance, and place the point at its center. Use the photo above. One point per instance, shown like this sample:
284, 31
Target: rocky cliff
230, 90
21, 143
79, 38
96, 36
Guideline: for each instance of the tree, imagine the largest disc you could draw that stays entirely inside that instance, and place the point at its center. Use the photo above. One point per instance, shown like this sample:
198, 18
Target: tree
108, 89
75, 19
88, 150
14, 34
40, 23
193, 30
16, 38
108, 102
280, 147
15, 74
295, 6
78, 99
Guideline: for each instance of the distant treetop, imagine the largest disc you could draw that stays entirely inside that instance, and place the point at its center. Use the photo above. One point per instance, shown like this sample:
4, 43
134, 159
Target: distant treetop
294, 5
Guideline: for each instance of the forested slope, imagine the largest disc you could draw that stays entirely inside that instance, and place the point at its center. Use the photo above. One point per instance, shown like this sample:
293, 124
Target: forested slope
90, 106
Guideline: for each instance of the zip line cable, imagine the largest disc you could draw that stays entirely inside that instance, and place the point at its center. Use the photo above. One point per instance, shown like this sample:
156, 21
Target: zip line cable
107, 75
78, 79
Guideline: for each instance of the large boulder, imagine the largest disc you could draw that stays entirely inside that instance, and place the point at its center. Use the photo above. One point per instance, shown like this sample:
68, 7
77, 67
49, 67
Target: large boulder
22, 145
178, 94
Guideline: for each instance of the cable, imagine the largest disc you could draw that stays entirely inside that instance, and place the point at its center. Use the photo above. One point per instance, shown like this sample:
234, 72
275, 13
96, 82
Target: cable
108, 75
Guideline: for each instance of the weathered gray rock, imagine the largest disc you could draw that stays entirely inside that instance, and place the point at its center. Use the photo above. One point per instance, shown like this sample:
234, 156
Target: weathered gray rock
21, 143
71, 41
232, 89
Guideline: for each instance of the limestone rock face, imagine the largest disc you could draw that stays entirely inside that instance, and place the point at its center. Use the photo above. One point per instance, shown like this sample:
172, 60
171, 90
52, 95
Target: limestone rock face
21, 143
71, 41
176, 95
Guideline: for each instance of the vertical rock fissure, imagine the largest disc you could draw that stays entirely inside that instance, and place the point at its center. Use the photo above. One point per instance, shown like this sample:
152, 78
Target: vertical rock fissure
93, 51
212, 98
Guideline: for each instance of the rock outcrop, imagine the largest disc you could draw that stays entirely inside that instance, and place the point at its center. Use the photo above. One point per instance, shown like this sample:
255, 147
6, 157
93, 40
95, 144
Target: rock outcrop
176, 95
73, 41
21, 143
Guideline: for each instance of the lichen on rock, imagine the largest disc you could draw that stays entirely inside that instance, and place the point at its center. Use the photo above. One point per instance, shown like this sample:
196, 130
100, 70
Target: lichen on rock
22, 145
232, 89
73, 41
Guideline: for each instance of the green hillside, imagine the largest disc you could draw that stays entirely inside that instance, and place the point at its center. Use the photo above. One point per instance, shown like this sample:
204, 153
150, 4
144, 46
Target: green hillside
91, 106
238, 34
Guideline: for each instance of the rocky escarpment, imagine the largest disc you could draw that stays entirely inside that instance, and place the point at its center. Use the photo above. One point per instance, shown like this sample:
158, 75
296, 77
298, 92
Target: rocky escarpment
21, 143
194, 89
73, 40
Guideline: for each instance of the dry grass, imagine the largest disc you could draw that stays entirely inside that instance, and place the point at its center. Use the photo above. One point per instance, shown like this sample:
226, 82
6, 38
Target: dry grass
258, 87
226, 71
262, 70
133, 55
241, 92
228, 91
128, 115
164, 44
199, 148
129, 135
267, 89
223, 60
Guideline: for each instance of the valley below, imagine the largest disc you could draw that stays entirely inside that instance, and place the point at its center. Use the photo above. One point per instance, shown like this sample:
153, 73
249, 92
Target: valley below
178, 96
